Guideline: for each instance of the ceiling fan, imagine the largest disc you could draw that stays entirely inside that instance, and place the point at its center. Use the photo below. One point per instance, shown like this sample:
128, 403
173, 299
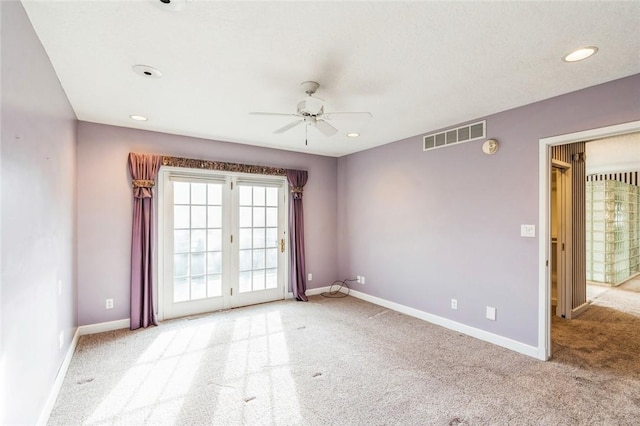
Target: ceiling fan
310, 111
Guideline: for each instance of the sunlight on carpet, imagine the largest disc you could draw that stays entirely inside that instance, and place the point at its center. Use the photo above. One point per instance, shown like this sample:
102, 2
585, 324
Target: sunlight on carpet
154, 389
257, 366
258, 385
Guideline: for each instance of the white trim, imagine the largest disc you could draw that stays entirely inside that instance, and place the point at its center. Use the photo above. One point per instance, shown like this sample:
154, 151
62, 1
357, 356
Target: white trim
580, 309
57, 384
544, 164
315, 291
587, 135
104, 326
159, 245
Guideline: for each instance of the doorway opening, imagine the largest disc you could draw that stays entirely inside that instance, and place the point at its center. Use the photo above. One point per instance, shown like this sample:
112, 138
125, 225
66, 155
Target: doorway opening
544, 215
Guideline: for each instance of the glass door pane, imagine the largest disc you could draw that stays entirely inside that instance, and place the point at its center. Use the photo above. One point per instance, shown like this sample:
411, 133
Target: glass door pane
258, 242
197, 241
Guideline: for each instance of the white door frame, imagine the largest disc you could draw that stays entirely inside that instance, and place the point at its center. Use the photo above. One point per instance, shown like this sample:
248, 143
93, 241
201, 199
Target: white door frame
544, 237
161, 224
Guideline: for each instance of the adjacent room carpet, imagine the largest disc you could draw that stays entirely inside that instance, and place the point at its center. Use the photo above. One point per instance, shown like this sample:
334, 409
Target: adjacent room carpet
349, 362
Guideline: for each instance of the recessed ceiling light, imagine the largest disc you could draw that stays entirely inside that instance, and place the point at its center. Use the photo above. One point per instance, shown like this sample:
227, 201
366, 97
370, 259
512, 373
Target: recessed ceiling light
138, 117
147, 71
353, 135
580, 54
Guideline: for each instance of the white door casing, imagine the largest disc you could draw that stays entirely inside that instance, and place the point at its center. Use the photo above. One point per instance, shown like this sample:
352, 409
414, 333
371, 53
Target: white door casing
201, 266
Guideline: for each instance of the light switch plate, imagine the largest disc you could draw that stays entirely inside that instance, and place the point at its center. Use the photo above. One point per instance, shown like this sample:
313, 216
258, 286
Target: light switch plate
528, 231
491, 313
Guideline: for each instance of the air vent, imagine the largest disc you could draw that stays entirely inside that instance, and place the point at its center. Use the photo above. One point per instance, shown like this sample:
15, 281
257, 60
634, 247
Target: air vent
467, 133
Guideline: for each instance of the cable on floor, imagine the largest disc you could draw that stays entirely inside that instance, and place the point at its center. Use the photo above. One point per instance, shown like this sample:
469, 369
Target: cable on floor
337, 293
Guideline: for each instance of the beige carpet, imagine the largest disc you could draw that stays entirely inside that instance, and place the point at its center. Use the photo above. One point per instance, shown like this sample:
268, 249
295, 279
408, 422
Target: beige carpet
347, 362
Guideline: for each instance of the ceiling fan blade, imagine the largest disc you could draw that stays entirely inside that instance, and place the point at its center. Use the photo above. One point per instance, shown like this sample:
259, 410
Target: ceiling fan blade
347, 115
289, 126
278, 114
326, 128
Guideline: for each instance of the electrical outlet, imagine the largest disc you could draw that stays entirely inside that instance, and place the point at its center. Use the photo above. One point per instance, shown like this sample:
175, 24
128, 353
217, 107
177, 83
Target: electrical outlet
491, 313
358, 279
309, 276
454, 303
61, 339
108, 304
361, 279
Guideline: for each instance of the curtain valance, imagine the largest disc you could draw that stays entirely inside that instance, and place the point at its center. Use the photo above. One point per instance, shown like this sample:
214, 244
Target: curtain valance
222, 166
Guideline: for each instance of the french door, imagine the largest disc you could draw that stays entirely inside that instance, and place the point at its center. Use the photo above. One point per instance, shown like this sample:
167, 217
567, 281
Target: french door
222, 241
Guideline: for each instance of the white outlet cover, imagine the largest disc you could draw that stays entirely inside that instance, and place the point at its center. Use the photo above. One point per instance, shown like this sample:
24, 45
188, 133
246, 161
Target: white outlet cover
309, 276
454, 303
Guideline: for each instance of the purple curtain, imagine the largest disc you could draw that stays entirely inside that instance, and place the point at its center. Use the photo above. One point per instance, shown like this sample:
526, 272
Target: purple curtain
298, 272
144, 170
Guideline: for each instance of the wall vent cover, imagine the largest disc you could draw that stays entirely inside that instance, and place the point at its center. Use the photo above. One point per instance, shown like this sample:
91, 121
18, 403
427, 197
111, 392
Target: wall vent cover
467, 133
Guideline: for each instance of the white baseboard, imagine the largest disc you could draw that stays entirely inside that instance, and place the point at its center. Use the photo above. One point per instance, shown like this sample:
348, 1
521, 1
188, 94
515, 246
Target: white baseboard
505, 342
62, 372
316, 291
104, 326
580, 309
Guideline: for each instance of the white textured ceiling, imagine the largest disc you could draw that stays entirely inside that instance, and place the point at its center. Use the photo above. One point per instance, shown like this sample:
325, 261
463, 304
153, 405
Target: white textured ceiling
615, 154
416, 66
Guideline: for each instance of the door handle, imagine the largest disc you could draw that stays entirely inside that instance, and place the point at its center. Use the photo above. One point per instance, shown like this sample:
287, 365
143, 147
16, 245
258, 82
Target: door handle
282, 245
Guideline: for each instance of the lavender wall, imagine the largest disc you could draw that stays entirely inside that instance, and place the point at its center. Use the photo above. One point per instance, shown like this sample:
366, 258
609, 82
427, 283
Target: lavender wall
425, 227
105, 207
37, 221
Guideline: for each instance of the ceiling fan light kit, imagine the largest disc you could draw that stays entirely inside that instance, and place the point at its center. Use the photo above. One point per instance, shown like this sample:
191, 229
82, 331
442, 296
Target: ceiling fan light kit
310, 111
